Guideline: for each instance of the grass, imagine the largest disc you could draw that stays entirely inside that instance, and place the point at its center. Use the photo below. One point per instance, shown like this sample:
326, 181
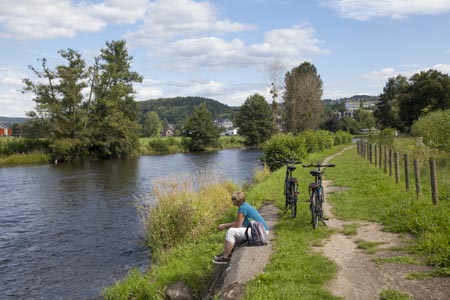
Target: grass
23, 159
369, 247
392, 294
295, 272
398, 260
373, 196
350, 229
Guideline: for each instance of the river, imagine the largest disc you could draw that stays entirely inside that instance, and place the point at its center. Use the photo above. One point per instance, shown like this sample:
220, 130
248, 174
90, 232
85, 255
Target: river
69, 230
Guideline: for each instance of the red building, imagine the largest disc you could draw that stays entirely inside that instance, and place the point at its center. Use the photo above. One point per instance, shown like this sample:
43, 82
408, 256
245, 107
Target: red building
5, 131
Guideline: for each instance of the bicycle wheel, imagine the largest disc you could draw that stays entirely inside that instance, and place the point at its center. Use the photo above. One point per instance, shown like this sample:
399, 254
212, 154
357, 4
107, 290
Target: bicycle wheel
319, 204
293, 199
286, 194
314, 209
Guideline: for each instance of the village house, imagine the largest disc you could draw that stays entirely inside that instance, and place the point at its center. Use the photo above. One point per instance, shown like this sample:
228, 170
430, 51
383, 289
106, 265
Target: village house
5, 131
230, 131
223, 123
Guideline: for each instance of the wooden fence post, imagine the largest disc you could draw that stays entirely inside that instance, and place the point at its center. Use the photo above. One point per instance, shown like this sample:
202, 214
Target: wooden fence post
397, 167
405, 157
433, 177
385, 159
417, 177
376, 154
390, 162
379, 155
370, 152
357, 147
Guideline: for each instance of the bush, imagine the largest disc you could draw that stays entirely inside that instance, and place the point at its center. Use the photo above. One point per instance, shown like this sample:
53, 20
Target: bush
434, 128
281, 147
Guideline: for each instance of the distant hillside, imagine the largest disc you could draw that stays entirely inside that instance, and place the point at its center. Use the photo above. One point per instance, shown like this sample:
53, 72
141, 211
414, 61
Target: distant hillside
177, 110
8, 121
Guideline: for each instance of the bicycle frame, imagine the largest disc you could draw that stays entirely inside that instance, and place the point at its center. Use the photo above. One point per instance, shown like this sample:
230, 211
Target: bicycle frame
316, 193
291, 188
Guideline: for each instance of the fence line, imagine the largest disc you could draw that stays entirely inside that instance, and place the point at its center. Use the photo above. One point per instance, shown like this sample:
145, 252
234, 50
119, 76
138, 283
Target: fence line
391, 160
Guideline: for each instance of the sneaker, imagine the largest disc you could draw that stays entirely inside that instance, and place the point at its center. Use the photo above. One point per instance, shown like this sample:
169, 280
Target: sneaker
217, 256
221, 260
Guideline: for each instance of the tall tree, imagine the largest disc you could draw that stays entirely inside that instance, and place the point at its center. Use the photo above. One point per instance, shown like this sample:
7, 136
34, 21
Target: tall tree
59, 97
255, 120
87, 110
201, 129
387, 109
152, 124
428, 91
302, 96
114, 122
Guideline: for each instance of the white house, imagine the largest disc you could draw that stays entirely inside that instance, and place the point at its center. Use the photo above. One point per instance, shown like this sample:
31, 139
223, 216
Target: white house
230, 131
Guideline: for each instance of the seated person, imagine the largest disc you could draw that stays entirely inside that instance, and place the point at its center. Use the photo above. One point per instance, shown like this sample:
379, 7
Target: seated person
236, 229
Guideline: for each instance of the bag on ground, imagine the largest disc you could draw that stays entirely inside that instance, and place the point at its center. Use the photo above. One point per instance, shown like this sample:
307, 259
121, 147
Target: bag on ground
258, 236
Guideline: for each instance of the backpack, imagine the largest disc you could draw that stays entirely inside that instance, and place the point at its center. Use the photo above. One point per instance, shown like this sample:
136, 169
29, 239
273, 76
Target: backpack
258, 236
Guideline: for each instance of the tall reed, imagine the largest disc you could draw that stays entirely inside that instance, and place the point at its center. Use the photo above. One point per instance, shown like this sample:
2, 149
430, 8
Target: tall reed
183, 207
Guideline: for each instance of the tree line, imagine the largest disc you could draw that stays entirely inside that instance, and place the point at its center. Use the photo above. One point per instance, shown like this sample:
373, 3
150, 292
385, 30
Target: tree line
89, 111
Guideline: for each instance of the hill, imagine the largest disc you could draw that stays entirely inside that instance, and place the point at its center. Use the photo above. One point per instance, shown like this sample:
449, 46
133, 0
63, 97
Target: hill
8, 121
177, 110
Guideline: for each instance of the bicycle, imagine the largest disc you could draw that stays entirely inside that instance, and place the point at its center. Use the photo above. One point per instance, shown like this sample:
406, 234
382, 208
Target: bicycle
316, 194
290, 187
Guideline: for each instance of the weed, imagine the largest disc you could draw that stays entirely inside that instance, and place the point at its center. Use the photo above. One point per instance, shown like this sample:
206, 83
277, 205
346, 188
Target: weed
398, 260
369, 247
350, 229
392, 294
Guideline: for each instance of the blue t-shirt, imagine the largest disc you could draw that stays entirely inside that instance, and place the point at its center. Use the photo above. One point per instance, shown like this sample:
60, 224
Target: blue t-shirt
250, 212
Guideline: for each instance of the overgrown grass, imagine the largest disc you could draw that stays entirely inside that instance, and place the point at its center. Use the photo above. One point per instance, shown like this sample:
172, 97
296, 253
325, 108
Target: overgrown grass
373, 196
350, 229
369, 247
398, 260
23, 159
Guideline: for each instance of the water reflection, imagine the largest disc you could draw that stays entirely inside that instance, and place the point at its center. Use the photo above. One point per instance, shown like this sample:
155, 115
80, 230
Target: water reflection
68, 230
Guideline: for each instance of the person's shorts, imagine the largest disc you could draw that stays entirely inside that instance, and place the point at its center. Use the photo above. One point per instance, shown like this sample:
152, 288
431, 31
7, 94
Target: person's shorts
234, 234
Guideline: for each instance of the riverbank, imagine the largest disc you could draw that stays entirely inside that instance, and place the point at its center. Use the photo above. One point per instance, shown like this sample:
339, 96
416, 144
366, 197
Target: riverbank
147, 146
295, 270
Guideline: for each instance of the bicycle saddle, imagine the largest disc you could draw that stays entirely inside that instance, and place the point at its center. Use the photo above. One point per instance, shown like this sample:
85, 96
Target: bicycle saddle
315, 173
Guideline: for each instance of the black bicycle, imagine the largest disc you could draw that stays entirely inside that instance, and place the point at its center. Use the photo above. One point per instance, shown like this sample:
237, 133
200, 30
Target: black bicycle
316, 194
291, 187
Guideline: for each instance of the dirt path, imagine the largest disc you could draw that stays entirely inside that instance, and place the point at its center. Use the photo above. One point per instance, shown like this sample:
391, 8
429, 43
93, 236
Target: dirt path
359, 277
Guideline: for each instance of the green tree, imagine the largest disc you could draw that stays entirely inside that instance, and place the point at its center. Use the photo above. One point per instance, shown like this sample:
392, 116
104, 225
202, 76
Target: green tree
114, 118
201, 129
434, 128
255, 120
302, 95
387, 109
152, 124
87, 110
428, 91
365, 118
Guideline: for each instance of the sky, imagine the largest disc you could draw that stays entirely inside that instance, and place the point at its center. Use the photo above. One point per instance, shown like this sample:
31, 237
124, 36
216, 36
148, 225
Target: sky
226, 50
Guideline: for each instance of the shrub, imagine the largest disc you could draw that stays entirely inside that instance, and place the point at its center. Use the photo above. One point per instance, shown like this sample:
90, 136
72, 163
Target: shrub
434, 128
281, 147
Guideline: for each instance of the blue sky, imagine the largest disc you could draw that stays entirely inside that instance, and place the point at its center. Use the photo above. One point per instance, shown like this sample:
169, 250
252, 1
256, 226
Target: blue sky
223, 49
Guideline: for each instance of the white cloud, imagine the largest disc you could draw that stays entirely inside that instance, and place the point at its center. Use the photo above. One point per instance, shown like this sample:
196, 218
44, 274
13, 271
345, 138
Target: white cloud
364, 10
380, 74
15, 104
46, 19
285, 44
444, 68
10, 76
166, 19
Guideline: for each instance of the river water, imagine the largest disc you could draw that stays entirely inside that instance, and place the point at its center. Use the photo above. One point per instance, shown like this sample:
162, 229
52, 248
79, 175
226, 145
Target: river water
69, 230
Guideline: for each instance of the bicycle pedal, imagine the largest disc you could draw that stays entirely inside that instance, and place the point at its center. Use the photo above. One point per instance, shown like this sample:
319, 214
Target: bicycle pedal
326, 219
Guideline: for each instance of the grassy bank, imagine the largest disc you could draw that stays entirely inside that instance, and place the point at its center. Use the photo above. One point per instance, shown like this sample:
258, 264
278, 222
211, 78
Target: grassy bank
24, 159
170, 145
294, 273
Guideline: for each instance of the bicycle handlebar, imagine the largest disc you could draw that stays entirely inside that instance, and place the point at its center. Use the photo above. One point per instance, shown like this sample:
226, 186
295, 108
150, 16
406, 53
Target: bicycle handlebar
318, 165
288, 161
